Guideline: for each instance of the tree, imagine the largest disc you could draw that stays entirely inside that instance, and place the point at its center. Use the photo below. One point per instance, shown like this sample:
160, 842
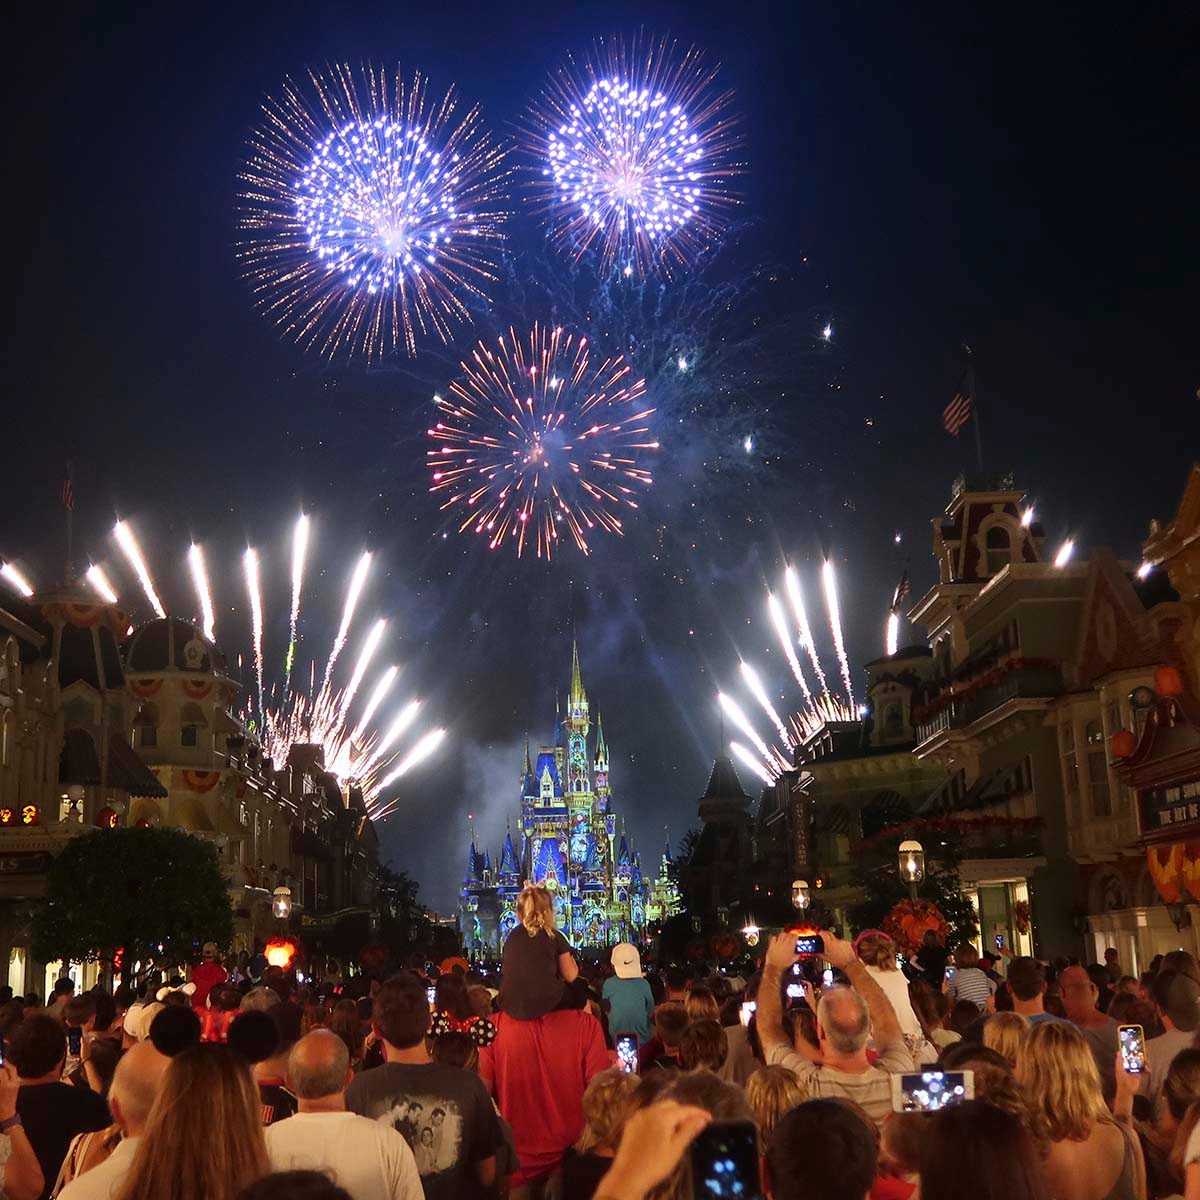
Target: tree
156, 894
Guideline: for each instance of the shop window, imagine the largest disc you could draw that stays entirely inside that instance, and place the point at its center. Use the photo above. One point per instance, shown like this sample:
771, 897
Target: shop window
1097, 765
147, 736
188, 735
999, 549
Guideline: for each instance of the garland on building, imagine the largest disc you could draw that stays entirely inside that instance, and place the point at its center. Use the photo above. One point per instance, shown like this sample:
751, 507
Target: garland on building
955, 689
960, 826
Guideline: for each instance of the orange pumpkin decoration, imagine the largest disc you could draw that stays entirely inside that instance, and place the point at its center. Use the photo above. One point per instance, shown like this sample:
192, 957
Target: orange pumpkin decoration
1168, 681
1122, 743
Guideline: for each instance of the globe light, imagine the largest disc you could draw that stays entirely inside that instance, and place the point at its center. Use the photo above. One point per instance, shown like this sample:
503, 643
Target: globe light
281, 902
800, 894
912, 862
751, 933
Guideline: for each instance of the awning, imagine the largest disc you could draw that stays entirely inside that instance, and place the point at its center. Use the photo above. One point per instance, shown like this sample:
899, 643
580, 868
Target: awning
79, 762
128, 773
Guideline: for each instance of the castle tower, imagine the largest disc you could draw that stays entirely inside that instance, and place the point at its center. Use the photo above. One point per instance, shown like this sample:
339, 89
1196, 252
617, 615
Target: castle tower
600, 766
577, 724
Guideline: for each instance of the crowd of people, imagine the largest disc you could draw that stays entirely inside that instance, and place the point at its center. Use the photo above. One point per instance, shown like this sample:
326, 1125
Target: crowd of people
561, 1079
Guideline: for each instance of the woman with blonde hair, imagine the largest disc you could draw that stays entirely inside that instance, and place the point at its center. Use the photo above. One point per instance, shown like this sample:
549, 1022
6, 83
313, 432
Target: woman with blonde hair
537, 963
877, 952
204, 1136
1090, 1156
771, 1092
701, 1004
607, 1105
1007, 1033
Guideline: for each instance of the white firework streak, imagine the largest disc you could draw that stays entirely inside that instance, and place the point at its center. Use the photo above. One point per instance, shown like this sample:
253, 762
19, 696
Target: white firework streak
785, 640
407, 715
352, 595
129, 547
792, 586
750, 675
734, 711
203, 591
299, 553
892, 634
360, 668
381, 690
421, 751
829, 583
14, 577
99, 582
750, 761
250, 564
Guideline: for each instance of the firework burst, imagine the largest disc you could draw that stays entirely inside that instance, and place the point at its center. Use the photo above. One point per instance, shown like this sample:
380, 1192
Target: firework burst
369, 212
534, 437
633, 147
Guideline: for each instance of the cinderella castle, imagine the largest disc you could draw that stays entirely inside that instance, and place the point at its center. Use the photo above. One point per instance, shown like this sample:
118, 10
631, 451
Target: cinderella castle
571, 840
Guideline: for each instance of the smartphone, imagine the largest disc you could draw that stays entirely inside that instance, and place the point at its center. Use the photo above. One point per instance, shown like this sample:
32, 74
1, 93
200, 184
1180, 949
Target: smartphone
827, 977
627, 1053
949, 974
810, 944
74, 1040
1132, 1040
431, 995
748, 1009
927, 1091
999, 941
795, 991
725, 1161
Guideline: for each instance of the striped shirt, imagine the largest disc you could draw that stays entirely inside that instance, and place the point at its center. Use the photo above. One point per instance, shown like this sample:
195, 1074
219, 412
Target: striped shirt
970, 983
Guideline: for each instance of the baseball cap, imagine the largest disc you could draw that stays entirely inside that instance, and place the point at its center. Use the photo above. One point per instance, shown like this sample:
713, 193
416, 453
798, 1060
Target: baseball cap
626, 961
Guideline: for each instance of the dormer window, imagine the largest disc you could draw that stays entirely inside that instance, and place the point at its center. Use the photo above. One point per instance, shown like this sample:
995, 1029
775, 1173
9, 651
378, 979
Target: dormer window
999, 549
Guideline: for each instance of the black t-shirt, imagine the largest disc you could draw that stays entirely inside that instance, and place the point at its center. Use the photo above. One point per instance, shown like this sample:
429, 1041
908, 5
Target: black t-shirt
277, 1102
446, 1116
932, 962
531, 985
52, 1114
581, 1174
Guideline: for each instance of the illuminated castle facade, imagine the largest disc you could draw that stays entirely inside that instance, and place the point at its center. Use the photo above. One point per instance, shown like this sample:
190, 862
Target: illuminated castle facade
570, 839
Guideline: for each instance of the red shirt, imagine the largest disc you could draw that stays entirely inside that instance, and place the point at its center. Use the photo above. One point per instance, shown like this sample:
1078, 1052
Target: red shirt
537, 1071
206, 977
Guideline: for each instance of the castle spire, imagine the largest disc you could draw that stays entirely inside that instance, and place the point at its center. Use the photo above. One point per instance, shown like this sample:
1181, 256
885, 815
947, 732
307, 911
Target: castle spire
528, 760
578, 697
601, 745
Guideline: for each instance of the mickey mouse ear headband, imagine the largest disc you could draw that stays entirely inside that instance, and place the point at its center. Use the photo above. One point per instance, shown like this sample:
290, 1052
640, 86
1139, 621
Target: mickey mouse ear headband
188, 989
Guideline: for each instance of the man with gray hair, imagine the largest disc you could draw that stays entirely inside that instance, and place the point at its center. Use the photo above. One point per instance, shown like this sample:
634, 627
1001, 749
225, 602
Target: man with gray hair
847, 1018
369, 1159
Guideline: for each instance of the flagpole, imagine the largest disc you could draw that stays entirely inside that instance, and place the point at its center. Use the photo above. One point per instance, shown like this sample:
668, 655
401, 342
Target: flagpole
975, 406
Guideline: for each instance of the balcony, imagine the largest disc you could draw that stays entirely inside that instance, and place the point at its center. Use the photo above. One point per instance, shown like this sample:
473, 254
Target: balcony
976, 701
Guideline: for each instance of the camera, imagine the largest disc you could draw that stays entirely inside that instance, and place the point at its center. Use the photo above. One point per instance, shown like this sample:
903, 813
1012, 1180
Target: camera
809, 944
927, 1091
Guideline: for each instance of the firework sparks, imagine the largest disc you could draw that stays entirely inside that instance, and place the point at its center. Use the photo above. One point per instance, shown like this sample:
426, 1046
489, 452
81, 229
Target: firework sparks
733, 710
785, 640
253, 588
829, 583
791, 583
892, 633
534, 435
1144, 570
394, 732
360, 668
421, 751
132, 552
760, 694
377, 697
99, 581
1027, 517
750, 761
203, 591
299, 554
1065, 553
16, 579
353, 593
369, 212
634, 145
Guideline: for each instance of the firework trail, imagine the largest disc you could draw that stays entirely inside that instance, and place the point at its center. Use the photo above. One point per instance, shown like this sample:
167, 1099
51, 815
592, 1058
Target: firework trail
1065, 553
16, 579
791, 583
633, 150
747, 757
892, 634
353, 592
407, 715
377, 697
734, 712
203, 591
250, 564
99, 581
785, 640
760, 694
535, 436
360, 668
829, 583
129, 547
299, 553
422, 750
370, 213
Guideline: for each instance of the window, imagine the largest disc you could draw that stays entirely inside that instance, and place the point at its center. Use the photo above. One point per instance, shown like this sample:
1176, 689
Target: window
148, 735
1097, 764
187, 735
1070, 773
999, 549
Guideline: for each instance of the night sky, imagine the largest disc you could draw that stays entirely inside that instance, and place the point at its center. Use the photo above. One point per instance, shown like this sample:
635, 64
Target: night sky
916, 176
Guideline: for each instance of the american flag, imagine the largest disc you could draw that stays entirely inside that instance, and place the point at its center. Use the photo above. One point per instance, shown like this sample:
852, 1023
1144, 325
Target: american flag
902, 592
68, 491
958, 412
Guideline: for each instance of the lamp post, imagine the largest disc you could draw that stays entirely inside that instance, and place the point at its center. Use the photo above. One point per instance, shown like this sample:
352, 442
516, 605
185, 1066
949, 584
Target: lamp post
281, 902
800, 895
911, 857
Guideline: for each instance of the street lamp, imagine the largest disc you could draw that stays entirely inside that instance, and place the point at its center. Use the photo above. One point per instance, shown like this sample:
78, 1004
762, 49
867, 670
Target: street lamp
750, 933
281, 902
912, 865
800, 895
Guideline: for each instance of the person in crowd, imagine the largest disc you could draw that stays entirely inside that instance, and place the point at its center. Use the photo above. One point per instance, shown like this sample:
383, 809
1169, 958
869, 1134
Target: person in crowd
930, 960
271, 1073
345, 1022
963, 1018
294, 1185
995, 1080
703, 1046
822, 1148
99, 1059
97, 1164
701, 1004
1112, 965
480, 996
174, 1029
653, 1144
1176, 998
630, 1002
670, 1021
64, 989
1090, 1156
877, 952
1127, 985
51, 1111
453, 1013
444, 1113
255, 1036
1081, 999
224, 1003
207, 974
203, 1138
1104, 988
79, 1017
1128, 1009
538, 962
260, 999
1006, 1033
1183, 962
607, 1103
978, 1149
740, 1062
771, 1092
371, 1160
1027, 982
675, 984
987, 964
845, 1019
1164, 1138
969, 982
21, 1176
933, 1011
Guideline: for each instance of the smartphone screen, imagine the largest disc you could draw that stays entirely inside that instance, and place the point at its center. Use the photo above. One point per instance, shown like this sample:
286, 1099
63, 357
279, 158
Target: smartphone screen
748, 1009
725, 1161
949, 973
431, 995
827, 977
627, 1053
927, 1091
795, 991
809, 944
999, 941
1132, 1039
74, 1040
